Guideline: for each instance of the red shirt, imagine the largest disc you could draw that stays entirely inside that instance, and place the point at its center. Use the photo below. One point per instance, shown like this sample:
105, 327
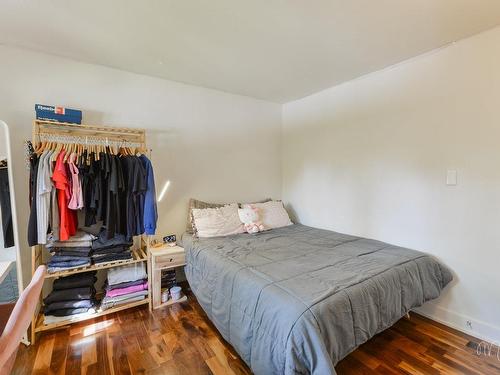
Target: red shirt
68, 221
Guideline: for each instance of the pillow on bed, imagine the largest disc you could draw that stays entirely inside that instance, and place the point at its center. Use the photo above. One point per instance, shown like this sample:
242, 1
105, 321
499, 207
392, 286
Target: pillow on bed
272, 214
217, 222
194, 203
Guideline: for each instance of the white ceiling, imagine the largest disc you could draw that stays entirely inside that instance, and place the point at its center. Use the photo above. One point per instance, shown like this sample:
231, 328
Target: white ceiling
276, 50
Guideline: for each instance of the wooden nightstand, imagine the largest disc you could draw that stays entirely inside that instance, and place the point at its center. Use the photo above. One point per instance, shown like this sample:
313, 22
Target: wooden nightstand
160, 259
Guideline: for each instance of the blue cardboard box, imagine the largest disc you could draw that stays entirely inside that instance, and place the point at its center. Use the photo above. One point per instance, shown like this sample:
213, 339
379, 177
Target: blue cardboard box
60, 114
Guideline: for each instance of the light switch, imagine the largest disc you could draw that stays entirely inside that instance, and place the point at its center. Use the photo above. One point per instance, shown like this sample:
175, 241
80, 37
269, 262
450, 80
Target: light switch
451, 177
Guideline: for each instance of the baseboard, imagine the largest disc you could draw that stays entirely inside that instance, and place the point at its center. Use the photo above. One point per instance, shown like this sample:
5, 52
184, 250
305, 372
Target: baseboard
478, 329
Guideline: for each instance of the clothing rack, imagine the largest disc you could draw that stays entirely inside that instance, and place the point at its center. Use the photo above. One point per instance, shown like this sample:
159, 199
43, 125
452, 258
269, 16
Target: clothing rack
46, 131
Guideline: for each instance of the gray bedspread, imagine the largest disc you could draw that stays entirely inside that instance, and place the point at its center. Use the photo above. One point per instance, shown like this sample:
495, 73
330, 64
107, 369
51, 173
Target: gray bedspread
296, 300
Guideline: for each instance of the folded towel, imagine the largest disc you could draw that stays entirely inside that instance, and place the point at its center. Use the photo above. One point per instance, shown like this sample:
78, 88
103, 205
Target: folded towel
124, 297
127, 290
111, 249
68, 312
68, 263
74, 304
80, 280
52, 269
79, 236
112, 257
105, 305
67, 258
70, 295
68, 244
132, 272
49, 319
72, 251
125, 284
103, 241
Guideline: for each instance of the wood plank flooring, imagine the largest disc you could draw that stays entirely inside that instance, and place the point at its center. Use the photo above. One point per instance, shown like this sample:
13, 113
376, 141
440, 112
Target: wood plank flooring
181, 340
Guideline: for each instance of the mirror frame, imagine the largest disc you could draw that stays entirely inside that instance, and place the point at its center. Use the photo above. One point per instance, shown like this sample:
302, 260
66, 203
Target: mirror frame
20, 285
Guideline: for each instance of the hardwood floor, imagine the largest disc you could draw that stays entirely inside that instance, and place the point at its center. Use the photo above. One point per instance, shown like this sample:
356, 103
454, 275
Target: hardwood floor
180, 340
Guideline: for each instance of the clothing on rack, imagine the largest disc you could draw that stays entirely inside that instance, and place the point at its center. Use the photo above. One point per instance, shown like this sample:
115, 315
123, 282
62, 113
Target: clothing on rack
73, 253
127, 290
132, 272
68, 221
112, 249
150, 209
32, 221
5, 206
110, 302
125, 284
115, 188
43, 196
51, 319
168, 279
87, 292
113, 257
71, 295
78, 280
104, 241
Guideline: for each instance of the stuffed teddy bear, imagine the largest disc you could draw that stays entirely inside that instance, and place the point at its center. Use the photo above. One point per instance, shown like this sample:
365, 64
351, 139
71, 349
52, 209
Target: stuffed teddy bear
249, 216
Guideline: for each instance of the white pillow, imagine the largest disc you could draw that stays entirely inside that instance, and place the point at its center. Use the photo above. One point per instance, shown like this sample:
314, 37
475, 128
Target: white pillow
272, 214
216, 222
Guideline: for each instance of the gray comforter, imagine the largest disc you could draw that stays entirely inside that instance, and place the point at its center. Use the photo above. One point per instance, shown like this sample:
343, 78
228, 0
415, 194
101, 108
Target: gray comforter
296, 300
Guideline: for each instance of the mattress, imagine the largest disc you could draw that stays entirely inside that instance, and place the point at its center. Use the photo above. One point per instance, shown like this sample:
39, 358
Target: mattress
296, 300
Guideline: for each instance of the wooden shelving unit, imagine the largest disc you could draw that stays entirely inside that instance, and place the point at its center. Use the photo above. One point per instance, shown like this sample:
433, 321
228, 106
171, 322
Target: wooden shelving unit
171, 302
87, 134
40, 326
138, 255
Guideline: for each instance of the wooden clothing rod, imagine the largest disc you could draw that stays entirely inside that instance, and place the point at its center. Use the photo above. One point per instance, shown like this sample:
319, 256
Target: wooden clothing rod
46, 129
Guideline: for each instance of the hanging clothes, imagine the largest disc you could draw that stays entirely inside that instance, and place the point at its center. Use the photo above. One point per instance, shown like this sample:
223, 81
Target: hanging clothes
32, 221
115, 191
68, 221
43, 195
5, 206
150, 209
136, 186
76, 200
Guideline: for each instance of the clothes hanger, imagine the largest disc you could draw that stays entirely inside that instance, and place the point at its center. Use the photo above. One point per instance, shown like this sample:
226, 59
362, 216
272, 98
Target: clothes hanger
40, 149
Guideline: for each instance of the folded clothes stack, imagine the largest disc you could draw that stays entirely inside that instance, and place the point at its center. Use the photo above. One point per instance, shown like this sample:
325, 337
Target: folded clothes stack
105, 250
73, 253
168, 279
71, 296
125, 284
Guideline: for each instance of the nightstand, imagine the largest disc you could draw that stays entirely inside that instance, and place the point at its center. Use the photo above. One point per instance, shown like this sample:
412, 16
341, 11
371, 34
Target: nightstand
164, 258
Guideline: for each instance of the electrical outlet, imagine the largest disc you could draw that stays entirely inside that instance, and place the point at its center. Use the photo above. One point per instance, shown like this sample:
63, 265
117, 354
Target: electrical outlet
468, 323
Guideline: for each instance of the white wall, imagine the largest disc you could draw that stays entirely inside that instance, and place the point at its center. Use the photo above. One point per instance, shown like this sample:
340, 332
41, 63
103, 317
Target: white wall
369, 157
209, 144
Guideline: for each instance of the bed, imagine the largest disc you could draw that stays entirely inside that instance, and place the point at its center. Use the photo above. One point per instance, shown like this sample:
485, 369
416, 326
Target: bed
296, 300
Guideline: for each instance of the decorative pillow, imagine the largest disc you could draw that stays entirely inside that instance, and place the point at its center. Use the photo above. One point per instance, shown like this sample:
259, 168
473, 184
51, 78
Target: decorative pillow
217, 222
194, 203
261, 201
272, 214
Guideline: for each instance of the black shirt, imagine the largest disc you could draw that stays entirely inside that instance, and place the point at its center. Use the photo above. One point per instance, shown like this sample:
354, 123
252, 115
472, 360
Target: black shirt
8, 233
32, 222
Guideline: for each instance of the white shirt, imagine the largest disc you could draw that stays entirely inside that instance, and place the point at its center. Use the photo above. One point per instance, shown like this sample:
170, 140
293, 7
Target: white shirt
44, 189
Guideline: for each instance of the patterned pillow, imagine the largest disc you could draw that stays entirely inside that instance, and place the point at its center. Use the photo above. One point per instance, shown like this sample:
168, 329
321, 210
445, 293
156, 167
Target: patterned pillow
194, 203
272, 214
217, 222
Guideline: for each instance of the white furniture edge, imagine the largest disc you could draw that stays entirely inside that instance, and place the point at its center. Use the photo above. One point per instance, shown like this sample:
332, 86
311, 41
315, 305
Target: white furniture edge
13, 202
5, 268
